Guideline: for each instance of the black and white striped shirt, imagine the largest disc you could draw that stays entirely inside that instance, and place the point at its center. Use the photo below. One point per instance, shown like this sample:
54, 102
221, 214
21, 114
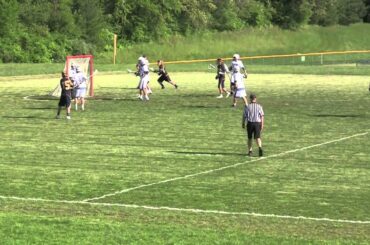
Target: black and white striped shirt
253, 113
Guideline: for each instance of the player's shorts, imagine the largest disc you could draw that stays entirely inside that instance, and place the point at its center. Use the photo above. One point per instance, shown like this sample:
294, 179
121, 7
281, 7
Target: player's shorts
144, 82
240, 93
254, 129
65, 100
73, 93
80, 92
221, 81
236, 78
164, 78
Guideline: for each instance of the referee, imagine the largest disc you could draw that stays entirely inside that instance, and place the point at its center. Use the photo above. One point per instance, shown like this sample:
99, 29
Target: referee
253, 118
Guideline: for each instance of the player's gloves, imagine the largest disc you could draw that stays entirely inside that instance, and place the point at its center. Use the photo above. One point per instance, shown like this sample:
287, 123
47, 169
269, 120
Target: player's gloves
137, 74
217, 77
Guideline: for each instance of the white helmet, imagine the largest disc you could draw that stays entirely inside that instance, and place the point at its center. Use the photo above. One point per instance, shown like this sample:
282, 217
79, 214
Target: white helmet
78, 69
236, 56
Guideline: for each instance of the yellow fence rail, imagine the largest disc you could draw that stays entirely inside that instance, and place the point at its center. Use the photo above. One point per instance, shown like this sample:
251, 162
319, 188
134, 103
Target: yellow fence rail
276, 56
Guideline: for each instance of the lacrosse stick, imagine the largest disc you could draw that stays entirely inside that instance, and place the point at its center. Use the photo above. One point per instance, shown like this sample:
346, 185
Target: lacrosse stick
211, 67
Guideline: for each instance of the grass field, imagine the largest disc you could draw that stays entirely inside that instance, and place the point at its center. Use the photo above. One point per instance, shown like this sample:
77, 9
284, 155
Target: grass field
174, 170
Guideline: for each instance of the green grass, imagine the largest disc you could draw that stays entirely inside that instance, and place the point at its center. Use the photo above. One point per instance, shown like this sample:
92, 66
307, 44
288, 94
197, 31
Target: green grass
120, 142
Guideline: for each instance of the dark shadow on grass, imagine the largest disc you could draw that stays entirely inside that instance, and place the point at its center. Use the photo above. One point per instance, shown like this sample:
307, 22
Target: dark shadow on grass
111, 98
117, 88
337, 115
206, 153
28, 117
41, 108
41, 97
197, 95
202, 106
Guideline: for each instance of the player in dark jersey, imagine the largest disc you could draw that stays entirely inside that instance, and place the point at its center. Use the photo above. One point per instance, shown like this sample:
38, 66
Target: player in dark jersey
222, 70
163, 75
66, 95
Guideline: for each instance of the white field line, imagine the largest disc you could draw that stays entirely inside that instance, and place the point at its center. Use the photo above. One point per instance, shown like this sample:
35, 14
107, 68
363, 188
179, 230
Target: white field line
222, 168
252, 214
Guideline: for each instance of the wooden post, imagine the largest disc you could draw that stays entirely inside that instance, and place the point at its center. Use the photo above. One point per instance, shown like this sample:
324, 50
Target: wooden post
114, 48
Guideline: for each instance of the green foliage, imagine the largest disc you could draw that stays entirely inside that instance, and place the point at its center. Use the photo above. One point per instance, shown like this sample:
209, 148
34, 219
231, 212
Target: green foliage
8, 17
87, 26
62, 20
291, 14
324, 12
89, 21
350, 11
226, 16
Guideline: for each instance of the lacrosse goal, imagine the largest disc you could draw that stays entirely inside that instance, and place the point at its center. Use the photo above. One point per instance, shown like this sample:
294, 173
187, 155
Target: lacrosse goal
86, 65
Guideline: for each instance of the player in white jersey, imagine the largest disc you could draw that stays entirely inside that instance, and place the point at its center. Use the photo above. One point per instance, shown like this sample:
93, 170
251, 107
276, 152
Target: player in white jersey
72, 75
80, 87
238, 73
143, 72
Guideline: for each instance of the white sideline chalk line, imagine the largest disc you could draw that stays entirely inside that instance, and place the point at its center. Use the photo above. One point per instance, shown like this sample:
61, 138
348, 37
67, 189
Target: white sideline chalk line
222, 168
188, 210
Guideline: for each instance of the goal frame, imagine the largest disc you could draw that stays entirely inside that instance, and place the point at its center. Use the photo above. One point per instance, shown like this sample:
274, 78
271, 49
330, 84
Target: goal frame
91, 68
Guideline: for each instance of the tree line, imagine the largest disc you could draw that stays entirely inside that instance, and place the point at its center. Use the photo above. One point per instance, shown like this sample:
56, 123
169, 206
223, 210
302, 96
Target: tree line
48, 30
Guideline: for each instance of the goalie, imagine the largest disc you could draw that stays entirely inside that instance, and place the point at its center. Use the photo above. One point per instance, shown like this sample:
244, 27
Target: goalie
66, 86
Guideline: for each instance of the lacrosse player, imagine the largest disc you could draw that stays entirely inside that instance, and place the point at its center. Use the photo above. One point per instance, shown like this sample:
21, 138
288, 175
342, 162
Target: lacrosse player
66, 95
80, 84
163, 75
236, 67
237, 79
222, 70
143, 71
72, 75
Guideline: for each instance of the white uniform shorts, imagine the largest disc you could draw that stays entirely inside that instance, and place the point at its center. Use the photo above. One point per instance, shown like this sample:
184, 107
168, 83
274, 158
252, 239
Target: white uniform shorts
80, 92
144, 82
240, 93
236, 78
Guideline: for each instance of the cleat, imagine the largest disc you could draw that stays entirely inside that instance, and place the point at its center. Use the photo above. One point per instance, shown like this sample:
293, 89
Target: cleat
176, 87
140, 97
220, 96
233, 105
260, 152
250, 153
68, 117
57, 117
146, 97
227, 95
